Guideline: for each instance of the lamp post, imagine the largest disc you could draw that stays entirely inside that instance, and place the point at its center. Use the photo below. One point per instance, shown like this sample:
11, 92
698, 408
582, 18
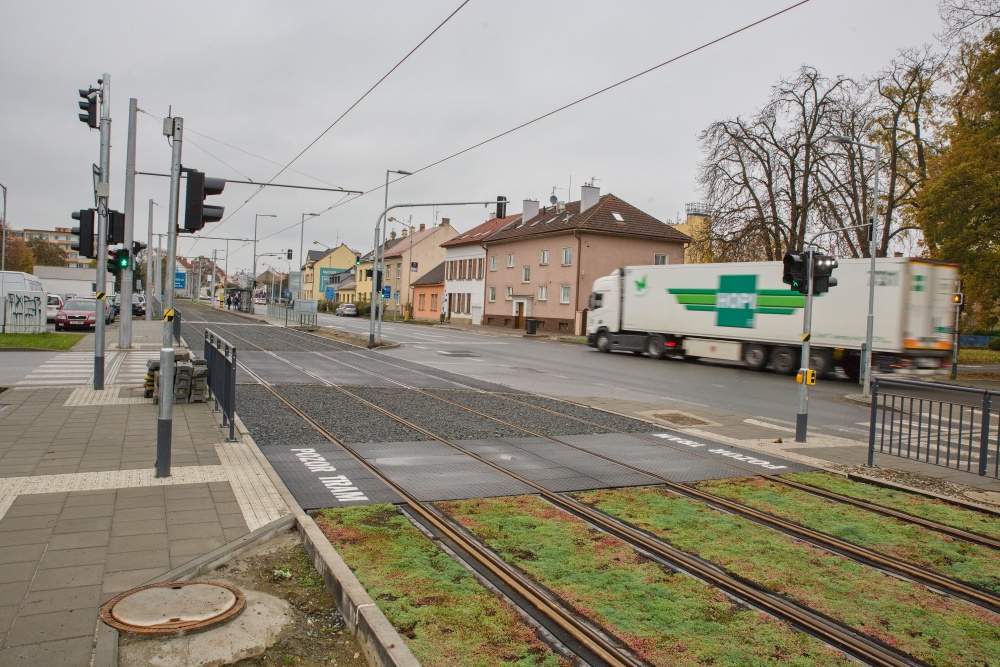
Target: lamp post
302, 236
253, 278
866, 370
379, 259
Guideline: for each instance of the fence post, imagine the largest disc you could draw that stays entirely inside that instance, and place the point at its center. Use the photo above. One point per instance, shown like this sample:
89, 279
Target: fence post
871, 423
984, 434
232, 399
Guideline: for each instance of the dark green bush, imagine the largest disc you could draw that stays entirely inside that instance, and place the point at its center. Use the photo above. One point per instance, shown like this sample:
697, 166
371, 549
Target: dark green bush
994, 344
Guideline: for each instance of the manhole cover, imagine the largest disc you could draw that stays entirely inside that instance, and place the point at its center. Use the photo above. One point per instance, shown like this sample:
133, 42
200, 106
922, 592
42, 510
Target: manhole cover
680, 419
173, 607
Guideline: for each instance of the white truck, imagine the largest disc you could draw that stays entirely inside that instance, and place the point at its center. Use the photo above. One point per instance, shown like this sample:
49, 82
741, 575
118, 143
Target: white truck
743, 312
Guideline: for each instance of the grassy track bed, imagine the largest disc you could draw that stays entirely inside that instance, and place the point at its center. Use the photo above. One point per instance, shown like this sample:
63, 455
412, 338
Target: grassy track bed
925, 625
447, 617
915, 504
953, 558
664, 617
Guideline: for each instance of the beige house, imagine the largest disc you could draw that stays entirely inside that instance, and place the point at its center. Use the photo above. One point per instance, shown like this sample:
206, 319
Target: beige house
697, 225
321, 266
62, 237
543, 267
412, 255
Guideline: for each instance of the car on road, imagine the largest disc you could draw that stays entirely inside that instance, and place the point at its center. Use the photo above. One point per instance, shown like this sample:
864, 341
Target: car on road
347, 310
138, 304
53, 305
78, 313
260, 300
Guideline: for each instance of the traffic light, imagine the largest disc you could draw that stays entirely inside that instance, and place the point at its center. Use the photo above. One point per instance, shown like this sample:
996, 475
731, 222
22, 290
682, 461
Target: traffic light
123, 259
357, 260
501, 206
958, 298
823, 266
116, 227
89, 105
196, 213
289, 253
378, 283
137, 247
85, 230
795, 273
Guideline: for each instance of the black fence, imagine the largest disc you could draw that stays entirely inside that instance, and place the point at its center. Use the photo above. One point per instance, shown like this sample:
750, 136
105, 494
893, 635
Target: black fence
940, 424
220, 356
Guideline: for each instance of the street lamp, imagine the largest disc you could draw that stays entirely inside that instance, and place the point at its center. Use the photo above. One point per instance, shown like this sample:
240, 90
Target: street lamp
378, 263
322, 244
302, 236
867, 359
253, 278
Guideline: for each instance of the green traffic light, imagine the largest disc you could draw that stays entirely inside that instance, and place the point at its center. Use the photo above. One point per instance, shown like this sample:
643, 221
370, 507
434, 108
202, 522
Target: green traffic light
123, 261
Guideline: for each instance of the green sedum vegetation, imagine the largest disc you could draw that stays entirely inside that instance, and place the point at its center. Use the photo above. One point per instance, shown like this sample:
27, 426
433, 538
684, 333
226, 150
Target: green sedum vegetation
42, 341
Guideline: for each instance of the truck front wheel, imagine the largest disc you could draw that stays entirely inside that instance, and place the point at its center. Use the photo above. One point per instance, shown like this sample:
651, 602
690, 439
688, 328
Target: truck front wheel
654, 347
785, 360
852, 367
756, 357
603, 342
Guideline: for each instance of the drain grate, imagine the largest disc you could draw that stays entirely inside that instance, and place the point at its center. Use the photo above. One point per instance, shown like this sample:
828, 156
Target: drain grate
680, 418
173, 607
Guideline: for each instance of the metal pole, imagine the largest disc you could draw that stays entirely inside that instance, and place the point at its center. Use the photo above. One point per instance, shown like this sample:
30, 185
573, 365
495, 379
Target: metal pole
125, 328
215, 269
149, 267
802, 418
954, 343
103, 190
164, 424
3, 264
225, 284
869, 336
161, 277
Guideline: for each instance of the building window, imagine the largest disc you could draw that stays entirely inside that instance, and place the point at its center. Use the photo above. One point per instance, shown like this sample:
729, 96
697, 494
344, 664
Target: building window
564, 294
567, 256
399, 271
544, 259
543, 292
659, 259
510, 293
525, 274
434, 302
493, 262
422, 302
493, 294
510, 260
479, 268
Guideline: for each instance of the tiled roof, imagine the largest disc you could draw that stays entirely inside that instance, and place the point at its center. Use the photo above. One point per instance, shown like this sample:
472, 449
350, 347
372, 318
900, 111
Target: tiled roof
433, 277
403, 243
610, 215
316, 255
482, 232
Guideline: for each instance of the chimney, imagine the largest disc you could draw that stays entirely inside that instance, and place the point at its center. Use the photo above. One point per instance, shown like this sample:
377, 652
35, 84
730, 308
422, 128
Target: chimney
403, 233
445, 222
589, 195
422, 226
529, 209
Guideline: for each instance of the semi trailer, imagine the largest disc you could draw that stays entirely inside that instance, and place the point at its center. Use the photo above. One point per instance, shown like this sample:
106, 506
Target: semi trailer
743, 312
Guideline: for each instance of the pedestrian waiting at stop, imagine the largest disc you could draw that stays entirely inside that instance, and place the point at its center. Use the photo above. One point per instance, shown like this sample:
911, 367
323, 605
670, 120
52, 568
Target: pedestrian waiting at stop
229, 302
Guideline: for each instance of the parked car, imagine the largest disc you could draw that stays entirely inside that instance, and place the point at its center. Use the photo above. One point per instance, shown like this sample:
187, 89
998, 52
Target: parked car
53, 305
138, 304
347, 310
78, 313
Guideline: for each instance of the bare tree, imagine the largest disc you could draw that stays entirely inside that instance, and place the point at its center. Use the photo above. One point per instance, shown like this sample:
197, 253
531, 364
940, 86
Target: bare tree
965, 19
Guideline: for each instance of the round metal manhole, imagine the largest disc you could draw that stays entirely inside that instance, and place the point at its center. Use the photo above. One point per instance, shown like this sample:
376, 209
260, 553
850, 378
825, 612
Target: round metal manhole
173, 607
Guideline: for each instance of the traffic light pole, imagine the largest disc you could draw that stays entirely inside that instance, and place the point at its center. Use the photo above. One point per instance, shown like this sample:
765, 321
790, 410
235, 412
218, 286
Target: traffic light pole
103, 191
172, 127
802, 418
149, 268
125, 328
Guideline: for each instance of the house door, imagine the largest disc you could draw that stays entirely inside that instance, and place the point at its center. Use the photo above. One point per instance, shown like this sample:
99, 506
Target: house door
519, 315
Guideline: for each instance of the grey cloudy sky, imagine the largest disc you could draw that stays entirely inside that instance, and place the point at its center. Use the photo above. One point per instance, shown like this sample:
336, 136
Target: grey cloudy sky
267, 78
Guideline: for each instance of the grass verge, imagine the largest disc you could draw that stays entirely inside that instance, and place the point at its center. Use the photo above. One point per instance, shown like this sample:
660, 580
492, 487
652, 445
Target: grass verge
42, 341
664, 617
447, 617
928, 626
914, 544
978, 356
932, 509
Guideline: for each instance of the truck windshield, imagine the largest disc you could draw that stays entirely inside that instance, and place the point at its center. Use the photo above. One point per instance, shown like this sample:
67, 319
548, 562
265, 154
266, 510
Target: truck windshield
596, 300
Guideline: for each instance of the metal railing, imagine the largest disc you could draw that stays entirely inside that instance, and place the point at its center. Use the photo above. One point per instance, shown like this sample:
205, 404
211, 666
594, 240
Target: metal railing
940, 424
220, 357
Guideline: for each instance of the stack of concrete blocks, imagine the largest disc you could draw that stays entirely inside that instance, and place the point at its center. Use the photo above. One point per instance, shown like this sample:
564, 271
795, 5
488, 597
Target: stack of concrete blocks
190, 379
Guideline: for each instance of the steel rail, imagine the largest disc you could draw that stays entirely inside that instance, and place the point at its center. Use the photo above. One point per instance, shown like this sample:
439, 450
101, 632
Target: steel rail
833, 632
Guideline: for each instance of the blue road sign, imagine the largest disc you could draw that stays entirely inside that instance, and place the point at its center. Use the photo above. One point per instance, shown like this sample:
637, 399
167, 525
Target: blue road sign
287, 294
386, 291
180, 280
331, 292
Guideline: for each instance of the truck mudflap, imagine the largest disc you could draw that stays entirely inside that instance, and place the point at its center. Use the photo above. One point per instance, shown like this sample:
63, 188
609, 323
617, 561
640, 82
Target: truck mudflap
591, 340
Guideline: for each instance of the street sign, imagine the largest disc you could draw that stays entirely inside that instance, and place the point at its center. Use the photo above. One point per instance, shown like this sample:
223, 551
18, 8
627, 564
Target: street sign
287, 294
331, 292
386, 291
180, 280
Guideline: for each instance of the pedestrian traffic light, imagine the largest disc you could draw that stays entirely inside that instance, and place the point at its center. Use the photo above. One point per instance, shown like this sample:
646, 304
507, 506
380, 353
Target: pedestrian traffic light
289, 253
823, 266
116, 227
137, 247
501, 206
89, 106
85, 232
196, 213
796, 271
958, 298
123, 259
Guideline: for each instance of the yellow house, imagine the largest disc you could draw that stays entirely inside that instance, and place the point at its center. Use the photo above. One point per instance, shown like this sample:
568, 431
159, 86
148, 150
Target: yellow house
698, 225
321, 265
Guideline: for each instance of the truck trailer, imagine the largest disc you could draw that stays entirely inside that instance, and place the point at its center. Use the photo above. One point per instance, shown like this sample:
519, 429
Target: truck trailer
743, 312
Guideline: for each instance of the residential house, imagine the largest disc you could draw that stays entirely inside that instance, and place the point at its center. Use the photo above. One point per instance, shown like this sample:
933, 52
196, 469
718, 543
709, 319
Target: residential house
411, 256
321, 265
543, 266
465, 270
428, 293
62, 237
272, 283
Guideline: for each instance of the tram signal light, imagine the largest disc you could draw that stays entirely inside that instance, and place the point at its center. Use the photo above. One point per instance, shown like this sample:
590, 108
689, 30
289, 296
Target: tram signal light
289, 255
116, 227
501, 206
89, 105
137, 247
85, 231
796, 271
823, 266
196, 212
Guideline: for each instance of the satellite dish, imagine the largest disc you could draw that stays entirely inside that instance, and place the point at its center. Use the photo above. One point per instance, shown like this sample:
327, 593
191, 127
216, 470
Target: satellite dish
553, 199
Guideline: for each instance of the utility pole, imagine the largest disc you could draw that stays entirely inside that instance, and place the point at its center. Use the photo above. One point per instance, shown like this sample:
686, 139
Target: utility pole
172, 127
802, 418
213, 277
125, 328
149, 267
103, 192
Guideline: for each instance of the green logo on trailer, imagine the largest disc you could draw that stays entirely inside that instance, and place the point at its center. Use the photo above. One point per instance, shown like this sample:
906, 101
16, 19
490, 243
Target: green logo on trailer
738, 301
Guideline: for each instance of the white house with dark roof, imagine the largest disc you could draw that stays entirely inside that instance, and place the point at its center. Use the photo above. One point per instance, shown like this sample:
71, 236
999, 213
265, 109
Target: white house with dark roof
465, 270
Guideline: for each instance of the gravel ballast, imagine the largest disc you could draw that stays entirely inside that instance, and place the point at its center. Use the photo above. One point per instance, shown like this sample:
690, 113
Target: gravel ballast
348, 419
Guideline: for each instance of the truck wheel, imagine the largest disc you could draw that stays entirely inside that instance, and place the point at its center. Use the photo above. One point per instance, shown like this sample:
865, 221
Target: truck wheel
852, 367
785, 360
654, 347
821, 361
603, 342
756, 357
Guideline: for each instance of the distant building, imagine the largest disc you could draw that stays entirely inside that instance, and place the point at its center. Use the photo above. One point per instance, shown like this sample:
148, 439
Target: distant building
69, 280
429, 301
698, 226
62, 237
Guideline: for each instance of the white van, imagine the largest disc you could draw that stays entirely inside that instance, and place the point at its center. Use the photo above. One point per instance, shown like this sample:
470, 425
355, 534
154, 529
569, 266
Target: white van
18, 281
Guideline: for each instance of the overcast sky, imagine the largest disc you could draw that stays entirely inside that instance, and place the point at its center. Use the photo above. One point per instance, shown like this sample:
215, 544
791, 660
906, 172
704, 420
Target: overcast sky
268, 78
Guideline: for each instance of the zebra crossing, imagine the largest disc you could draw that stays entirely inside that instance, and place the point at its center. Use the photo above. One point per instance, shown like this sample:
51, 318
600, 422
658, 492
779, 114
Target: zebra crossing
73, 368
